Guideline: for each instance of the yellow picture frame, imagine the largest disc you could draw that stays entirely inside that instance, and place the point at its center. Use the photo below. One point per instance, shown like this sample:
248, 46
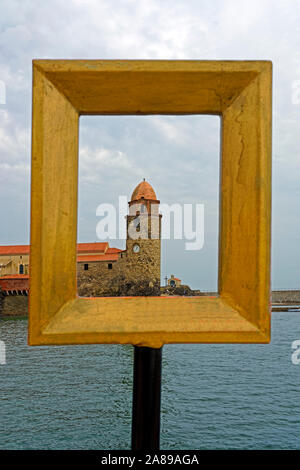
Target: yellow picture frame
241, 93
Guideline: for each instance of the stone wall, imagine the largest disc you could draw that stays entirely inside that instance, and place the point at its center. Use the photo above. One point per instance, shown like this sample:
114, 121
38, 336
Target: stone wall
146, 264
135, 274
286, 296
14, 305
97, 278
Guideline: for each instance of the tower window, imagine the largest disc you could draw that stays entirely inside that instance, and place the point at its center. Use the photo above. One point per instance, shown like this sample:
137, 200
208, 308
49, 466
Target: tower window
137, 224
109, 265
86, 267
21, 269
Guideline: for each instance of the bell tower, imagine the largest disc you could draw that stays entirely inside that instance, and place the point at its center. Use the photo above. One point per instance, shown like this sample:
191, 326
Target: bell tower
143, 244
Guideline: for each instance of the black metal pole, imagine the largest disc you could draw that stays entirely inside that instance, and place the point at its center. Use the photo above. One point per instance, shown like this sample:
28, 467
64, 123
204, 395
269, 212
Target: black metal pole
146, 398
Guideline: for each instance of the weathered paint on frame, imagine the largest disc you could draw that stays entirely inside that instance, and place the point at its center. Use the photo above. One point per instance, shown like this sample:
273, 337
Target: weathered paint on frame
241, 93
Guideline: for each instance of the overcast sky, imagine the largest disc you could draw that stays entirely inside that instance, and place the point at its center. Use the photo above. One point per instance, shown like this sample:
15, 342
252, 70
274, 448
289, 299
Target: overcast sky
179, 156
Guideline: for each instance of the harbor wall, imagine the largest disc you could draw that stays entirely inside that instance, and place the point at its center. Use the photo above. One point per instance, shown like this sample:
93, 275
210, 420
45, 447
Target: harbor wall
16, 304
286, 296
13, 305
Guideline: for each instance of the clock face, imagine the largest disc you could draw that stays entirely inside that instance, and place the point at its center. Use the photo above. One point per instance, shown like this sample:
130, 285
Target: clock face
136, 248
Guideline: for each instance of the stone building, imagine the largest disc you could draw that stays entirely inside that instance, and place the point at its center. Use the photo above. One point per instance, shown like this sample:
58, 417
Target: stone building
101, 269
14, 260
174, 281
136, 270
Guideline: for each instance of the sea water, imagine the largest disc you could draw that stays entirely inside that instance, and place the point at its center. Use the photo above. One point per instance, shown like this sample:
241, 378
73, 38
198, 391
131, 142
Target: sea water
213, 396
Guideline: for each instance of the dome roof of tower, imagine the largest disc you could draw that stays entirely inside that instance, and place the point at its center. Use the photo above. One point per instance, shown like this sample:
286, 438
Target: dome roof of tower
143, 190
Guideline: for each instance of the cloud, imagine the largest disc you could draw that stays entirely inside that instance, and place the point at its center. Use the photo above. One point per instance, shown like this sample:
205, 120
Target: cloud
95, 164
178, 155
14, 140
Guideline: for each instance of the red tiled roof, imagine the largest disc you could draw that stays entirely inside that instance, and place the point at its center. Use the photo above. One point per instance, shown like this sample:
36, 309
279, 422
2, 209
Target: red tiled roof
81, 248
176, 279
92, 247
92, 258
143, 190
113, 250
15, 250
